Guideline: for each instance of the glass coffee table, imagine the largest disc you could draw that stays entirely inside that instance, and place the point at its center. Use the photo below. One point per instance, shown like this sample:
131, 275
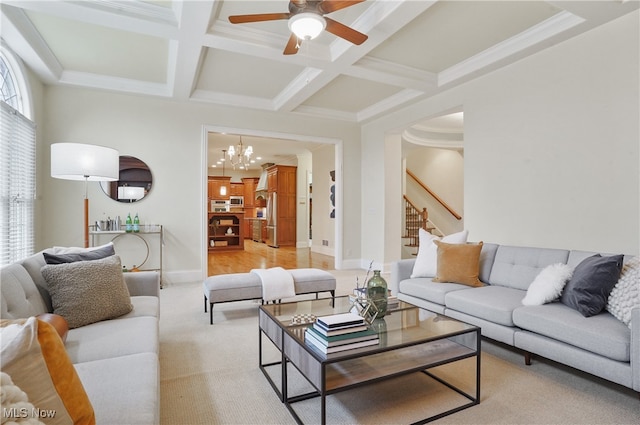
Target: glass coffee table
411, 340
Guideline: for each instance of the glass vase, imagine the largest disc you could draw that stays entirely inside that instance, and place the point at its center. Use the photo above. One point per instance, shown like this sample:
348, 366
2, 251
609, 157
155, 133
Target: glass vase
377, 293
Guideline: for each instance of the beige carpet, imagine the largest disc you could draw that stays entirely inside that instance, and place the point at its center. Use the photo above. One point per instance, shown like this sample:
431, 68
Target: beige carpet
210, 375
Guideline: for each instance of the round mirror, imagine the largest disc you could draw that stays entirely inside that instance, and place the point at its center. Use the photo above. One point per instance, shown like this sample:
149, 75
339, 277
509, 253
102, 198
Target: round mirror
134, 182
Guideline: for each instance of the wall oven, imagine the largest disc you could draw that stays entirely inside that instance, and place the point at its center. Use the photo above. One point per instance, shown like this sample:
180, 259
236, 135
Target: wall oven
219, 205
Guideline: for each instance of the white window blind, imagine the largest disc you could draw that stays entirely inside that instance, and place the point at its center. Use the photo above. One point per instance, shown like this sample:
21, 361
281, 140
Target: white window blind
17, 185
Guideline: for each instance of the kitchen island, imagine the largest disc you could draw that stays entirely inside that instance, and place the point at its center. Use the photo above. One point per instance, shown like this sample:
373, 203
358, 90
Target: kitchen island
226, 231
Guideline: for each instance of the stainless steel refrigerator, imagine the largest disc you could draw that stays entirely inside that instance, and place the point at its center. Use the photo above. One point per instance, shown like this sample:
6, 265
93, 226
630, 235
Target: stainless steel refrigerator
272, 219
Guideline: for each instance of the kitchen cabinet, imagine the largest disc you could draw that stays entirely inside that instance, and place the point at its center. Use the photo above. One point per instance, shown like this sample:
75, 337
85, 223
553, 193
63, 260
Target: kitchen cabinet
249, 187
215, 183
237, 189
281, 181
226, 231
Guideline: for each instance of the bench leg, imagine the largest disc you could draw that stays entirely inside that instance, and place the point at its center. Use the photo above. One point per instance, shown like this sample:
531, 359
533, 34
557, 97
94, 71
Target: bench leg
211, 313
205, 303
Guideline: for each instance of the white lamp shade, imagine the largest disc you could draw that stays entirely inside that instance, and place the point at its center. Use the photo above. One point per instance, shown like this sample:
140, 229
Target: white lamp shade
307, 26
77, 161
131, 193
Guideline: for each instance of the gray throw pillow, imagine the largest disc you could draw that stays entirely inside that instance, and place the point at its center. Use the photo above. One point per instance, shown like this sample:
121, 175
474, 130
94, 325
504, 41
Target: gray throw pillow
85, 292
593, 279
95, 254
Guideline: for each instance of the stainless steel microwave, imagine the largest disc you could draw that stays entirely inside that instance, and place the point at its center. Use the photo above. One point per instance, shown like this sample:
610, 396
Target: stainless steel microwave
236, 201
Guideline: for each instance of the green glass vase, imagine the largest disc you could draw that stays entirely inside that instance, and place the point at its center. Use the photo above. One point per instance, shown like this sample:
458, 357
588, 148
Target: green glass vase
377, 293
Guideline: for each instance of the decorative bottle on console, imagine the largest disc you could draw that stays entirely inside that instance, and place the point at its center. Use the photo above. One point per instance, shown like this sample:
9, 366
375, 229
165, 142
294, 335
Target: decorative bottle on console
128, 224
377, 293
136, 224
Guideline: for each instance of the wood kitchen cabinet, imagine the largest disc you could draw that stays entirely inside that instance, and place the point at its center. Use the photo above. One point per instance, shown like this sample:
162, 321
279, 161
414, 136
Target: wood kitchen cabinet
215, 183
249, 187
237, 189
281, 179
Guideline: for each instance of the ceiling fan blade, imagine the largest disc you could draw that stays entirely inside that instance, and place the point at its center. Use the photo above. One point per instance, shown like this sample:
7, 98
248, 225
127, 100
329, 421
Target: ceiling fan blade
260, 17
345, 32
328, 6
292, 45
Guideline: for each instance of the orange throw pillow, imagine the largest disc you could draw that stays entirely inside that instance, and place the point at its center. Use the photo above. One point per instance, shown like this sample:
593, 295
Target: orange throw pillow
34, 356
458, 263
59, 323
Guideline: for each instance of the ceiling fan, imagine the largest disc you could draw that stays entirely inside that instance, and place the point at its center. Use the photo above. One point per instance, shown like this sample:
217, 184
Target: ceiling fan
307, 21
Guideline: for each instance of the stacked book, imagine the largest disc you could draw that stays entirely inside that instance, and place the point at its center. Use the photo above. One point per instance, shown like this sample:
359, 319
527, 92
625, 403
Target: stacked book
340, 332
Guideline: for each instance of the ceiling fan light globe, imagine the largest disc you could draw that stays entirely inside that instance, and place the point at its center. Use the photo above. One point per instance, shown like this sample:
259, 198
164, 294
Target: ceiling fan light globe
307, 26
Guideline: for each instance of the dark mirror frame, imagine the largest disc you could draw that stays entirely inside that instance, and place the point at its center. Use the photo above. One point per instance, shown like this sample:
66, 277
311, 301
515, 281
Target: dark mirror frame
133, 173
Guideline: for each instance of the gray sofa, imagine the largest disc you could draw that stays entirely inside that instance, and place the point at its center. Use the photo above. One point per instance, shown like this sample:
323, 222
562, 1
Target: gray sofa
116, 360
600, 345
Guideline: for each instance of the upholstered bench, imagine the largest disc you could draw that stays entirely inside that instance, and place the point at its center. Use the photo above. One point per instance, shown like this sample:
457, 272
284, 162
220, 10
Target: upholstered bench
248, 286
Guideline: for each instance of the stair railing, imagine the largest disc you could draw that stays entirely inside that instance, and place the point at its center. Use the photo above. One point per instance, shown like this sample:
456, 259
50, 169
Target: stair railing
416, 219
433, 194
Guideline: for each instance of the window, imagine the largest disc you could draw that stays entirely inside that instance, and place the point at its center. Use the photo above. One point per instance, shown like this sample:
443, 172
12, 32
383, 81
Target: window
17, 169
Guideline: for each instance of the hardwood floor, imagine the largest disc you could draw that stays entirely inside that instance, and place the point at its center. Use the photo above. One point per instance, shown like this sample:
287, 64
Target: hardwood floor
259, 255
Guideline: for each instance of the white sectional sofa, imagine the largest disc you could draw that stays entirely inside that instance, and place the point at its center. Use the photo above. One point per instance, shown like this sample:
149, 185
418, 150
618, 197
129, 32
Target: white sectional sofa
117, 359
601, 344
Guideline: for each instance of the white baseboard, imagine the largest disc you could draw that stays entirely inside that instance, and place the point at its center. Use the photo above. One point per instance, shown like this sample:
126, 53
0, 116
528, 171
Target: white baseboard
182, 276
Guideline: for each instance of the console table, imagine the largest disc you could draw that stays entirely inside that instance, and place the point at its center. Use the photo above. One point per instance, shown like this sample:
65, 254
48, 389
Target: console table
136, 246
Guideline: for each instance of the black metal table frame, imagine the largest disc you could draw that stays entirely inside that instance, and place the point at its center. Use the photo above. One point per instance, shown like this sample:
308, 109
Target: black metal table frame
322, 393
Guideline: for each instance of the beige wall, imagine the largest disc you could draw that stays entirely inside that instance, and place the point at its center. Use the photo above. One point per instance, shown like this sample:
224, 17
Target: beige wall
551, 149
442, 170
323, 225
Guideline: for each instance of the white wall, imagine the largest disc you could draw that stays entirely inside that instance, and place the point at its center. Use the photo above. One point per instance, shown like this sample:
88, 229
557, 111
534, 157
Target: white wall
551, 148
168, 136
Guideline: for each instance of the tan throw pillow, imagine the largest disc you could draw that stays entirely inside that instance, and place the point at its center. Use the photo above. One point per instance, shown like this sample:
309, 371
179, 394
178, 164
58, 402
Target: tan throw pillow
458, 263
85, 292
35, 358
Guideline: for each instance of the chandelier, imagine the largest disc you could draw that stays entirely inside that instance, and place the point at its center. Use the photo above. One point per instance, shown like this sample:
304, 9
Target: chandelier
239, 155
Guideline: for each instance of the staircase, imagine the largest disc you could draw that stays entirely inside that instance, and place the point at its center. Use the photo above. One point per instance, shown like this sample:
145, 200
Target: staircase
416, 219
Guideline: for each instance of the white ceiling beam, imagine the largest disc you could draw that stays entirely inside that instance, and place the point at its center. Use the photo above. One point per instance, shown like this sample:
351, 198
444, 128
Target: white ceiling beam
136, 17
28, 44
187, 52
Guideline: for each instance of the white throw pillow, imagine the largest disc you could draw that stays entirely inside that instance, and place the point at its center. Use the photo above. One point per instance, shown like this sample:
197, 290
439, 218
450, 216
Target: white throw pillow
625, 296
426, 264
548, 284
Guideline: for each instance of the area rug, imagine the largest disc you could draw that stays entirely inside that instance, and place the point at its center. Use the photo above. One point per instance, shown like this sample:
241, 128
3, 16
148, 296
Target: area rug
210, 375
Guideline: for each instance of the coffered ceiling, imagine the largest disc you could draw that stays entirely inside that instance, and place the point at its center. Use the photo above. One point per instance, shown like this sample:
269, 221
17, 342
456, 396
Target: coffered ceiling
188, 50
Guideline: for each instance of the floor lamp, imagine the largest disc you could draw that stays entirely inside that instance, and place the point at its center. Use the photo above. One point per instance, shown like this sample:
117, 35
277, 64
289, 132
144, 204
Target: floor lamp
77, 161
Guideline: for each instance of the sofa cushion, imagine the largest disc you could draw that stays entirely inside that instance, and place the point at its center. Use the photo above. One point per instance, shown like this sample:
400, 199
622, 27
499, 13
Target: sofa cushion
33, 264
85, 292
424, 288
548, 285
492, 303
113, 338
72, 257
427, 259
593, 279
123, 390
625, 296
458, 263
516, 267
20, 296
34, 356
602, 334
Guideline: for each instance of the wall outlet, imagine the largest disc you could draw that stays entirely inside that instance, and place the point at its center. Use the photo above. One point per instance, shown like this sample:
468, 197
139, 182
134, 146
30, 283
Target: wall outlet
325, 242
